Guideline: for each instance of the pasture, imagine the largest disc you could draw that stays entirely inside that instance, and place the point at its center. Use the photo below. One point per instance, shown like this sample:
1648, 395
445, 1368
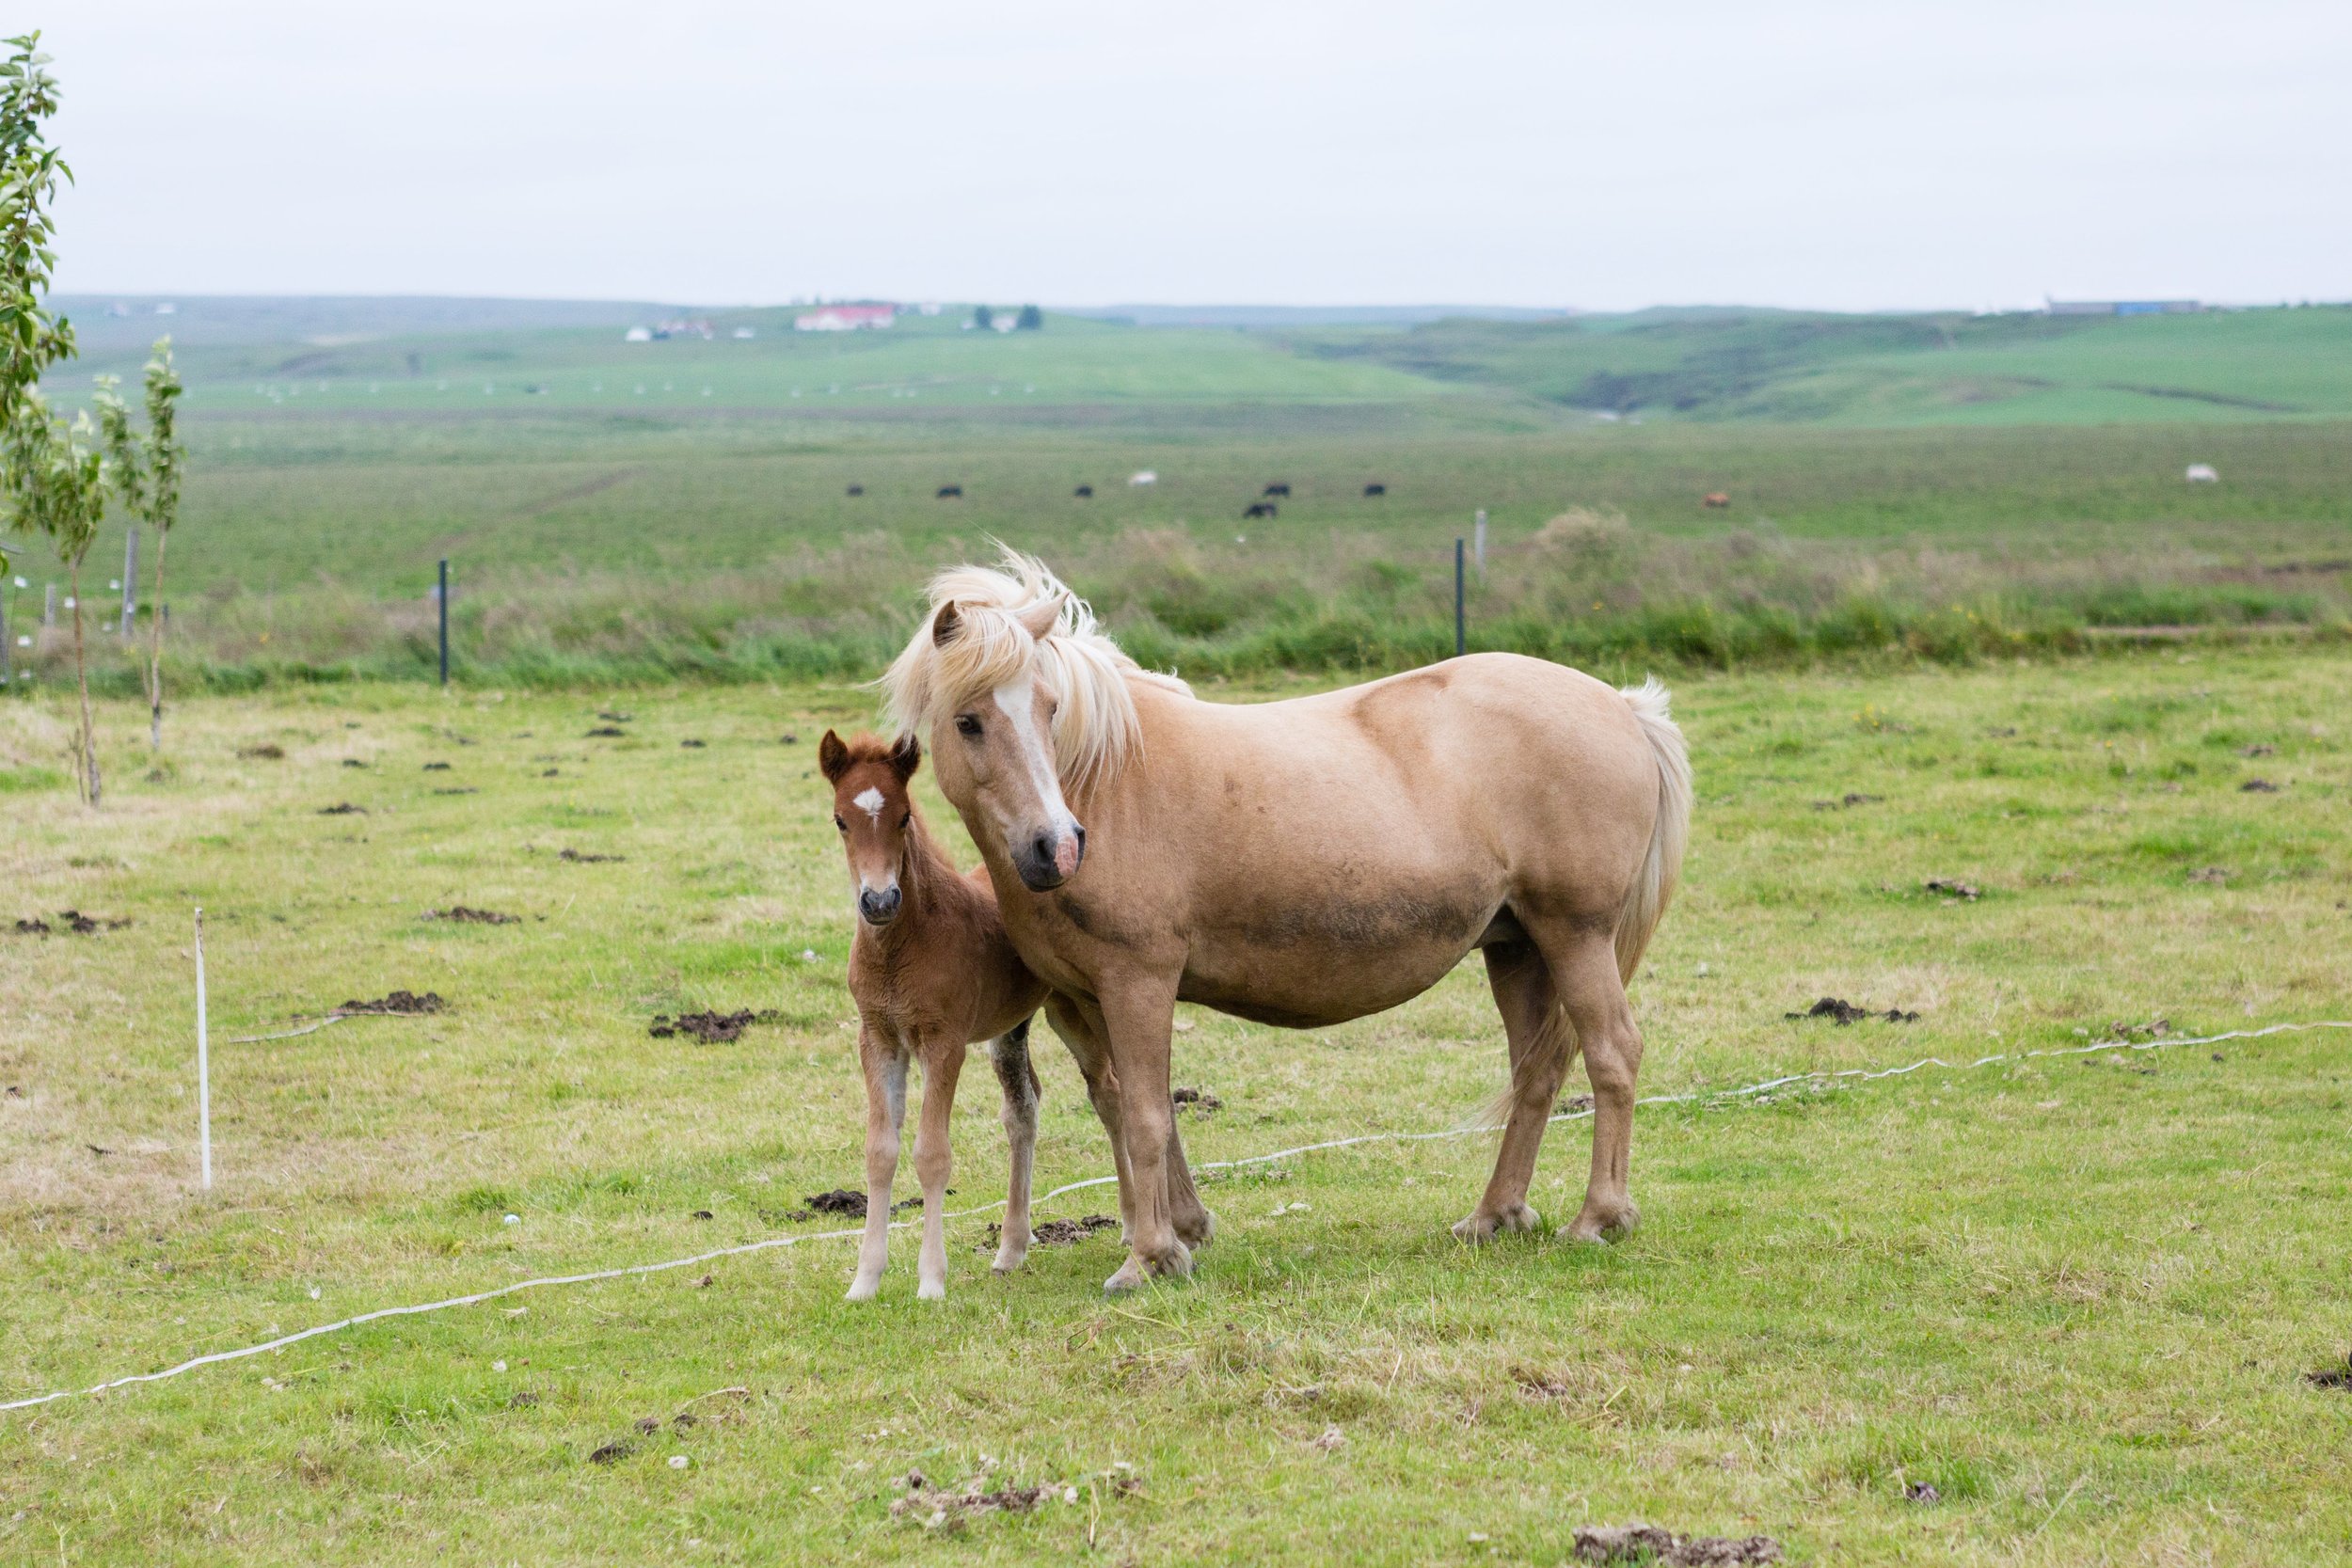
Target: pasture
2075, 1297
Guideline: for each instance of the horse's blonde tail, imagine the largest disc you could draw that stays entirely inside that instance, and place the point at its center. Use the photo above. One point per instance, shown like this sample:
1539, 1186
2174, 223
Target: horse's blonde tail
1654, 887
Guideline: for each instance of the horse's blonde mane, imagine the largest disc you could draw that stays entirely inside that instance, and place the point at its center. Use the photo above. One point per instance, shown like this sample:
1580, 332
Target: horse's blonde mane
1096, 732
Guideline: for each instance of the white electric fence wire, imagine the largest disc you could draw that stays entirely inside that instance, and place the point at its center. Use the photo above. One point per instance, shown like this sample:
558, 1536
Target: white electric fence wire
1697, 1096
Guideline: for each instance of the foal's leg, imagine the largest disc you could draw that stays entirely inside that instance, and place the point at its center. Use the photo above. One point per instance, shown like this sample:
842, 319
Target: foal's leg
1139, 1015
942, 1061
1019, 1080
886, 1110
1540, 1047
1594, 995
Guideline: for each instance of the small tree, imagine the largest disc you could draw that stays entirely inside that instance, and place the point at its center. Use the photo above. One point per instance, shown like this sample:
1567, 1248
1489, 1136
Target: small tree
145, 474
57, 484
1029, 319
30, 340
982, 317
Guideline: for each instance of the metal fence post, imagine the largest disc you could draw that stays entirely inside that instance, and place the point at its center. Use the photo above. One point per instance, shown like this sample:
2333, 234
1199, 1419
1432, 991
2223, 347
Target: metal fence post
1461, 643
443, 597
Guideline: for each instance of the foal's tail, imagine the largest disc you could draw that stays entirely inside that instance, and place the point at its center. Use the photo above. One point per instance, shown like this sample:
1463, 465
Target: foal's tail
1662, 866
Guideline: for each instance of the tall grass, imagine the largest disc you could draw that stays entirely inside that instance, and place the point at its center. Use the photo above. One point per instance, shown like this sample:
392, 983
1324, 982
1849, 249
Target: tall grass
1586, 588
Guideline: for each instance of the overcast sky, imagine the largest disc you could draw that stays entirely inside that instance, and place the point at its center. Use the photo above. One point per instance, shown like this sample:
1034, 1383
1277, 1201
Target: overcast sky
1890, 154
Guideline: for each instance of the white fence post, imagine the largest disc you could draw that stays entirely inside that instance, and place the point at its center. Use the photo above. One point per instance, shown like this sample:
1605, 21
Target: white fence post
204, 1062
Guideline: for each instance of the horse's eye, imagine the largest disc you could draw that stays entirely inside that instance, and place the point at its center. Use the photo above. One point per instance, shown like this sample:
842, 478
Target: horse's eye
968, 724
907, 818
844, 826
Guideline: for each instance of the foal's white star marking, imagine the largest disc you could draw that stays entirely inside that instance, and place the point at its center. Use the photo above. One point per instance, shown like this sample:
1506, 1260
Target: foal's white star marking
871, 801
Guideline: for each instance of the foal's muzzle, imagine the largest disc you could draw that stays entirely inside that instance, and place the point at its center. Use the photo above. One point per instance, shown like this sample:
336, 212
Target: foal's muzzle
879, 907
1051, 859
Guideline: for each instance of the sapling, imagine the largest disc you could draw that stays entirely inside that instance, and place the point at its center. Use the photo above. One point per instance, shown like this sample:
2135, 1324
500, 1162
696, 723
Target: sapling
145, 474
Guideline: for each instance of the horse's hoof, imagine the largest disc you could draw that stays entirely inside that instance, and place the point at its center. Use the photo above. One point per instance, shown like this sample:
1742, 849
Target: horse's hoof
1129, 1277
863, 1289
1482, 1227
1602, 1224
1172, 1261
932, 1289
1198, 1231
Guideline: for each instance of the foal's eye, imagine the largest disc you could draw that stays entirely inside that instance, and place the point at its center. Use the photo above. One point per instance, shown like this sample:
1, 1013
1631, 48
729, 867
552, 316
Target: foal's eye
968, 724
837, 823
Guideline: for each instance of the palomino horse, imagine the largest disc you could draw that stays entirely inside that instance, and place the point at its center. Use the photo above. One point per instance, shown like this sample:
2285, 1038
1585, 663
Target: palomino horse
932, 973
1300, 863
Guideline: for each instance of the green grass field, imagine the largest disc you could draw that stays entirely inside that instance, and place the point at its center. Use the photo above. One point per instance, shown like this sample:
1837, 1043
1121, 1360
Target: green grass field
2078, 1297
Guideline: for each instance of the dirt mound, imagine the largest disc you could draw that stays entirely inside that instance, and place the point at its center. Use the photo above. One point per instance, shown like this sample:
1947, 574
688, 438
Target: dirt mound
72, 920
839, 1201
1843, 1012
400, 1002
1952, 887
437, 767
607, 732
266, 752
1648, 1544
1065, 1232
463, 917
711, 1028
577, 857
343, 808
2258, 787
1200, 1101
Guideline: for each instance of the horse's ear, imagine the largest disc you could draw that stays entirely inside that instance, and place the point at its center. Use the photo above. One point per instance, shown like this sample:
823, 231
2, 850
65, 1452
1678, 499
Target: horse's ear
1038, 619
945, 625
906, 755
833, 757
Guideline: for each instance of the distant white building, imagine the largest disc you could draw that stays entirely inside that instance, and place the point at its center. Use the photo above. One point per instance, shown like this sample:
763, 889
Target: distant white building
845, 318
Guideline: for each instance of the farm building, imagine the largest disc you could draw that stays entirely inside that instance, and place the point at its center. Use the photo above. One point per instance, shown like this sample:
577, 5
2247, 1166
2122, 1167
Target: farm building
845, 318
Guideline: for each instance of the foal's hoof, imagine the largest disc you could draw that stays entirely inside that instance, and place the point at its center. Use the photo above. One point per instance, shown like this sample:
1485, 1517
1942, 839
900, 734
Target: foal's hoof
865, 1289
1482, 1226
1196, 1231
1612, 1224
1009, 1256
1173, 1262
932, 1289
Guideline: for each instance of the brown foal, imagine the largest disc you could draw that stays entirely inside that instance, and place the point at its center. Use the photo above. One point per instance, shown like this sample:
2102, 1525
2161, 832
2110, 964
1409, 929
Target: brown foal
932, 973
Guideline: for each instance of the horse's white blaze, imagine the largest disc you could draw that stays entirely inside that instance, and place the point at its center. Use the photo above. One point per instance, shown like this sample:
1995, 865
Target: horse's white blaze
1017, 700
869, 802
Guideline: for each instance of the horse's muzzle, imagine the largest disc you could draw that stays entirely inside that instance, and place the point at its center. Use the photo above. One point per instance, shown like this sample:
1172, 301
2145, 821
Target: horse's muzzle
1050, 860
879, 907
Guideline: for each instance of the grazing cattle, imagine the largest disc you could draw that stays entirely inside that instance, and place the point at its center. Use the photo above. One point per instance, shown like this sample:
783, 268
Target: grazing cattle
1278, 488
2202, 473
857, 489
1084, 492
1142, 477
1375, 489
1259, 509
1716, 499
932, 973
1300, 863
950, 492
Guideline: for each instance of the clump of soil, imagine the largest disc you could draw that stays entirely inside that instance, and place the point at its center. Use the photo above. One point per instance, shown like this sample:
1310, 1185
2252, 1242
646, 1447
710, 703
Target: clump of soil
72, 920
609, 717
789, 740
400, 1002
2257, 750
267, 751
463, 917
2258, 787
437, 767
691, 745
2154, 1029
619, 1448
606, 732
711, 1028
1648, 1544
1852, 801
1842, 1011
1057, 1232
343, 809
353, 762
1576, 1103
839, 1201
949, 1509
2331, 1377
1202, 1102
458, 791
580, 857
523, 1401
1922, 1492
1952, 887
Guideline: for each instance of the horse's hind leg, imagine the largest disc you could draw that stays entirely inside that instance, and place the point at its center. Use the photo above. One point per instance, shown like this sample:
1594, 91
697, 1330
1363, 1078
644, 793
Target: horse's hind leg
1019, 1079
1594, 995
1541, 1045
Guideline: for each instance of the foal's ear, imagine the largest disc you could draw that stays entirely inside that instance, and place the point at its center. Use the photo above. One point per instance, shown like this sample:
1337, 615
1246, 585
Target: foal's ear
906, 755
945, 625
833, 757
1038, 619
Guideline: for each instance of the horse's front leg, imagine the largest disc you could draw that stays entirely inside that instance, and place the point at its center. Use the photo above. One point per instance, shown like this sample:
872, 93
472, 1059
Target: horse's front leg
885, 1068
942, 1062
1138, 1016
